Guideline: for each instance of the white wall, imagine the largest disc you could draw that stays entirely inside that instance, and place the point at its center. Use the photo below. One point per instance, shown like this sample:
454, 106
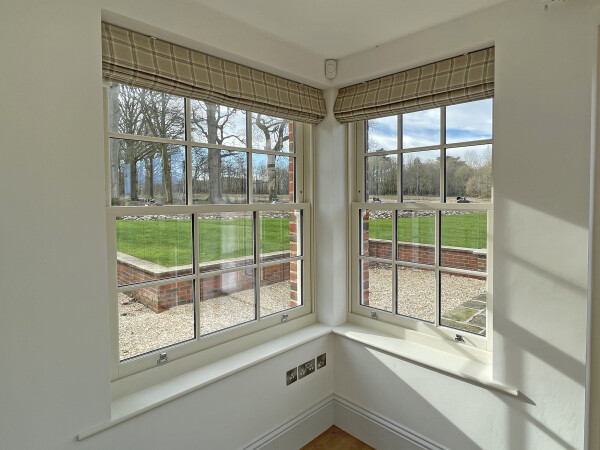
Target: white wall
54, 317
330, 206
54, 377
545, 65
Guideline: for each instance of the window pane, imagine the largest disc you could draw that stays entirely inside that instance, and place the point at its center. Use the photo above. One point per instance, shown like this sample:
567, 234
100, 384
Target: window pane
469, 121
273, 178
416, 293
382, 134
226, 300
416, 236
153, 247
464, 240
421, 128
155, 317
280, 234
376, 285
147, 173
225, 240
219, 176
421, 176
133, 110
376, 232
469, 174
463, 303
280, 287
382, 178
272, 133
216, 124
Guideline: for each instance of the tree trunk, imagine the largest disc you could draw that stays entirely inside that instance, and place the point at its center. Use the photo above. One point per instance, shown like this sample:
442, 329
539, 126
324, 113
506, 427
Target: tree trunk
272, 178
166, 174
133, 181
149, 163
215, 189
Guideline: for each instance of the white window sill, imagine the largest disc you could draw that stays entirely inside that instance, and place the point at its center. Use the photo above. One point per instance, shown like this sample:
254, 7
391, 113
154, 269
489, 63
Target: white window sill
138, 402
463, 368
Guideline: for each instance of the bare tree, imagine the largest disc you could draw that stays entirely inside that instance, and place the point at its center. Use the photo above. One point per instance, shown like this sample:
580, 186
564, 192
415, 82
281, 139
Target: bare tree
214, 122
137, 111
275, 132
126, 116
163, 116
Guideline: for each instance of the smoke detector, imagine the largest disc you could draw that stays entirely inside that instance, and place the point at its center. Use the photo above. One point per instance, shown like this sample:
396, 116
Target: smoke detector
330, 68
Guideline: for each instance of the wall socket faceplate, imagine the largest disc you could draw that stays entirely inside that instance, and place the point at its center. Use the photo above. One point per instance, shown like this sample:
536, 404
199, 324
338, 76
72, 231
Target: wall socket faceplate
305, 369
291, 376
321, 360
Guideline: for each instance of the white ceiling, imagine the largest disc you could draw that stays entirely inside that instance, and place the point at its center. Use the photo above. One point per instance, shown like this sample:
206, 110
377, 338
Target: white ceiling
339, 28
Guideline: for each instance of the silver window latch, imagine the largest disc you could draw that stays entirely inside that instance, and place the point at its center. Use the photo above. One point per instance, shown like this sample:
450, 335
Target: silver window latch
162, 359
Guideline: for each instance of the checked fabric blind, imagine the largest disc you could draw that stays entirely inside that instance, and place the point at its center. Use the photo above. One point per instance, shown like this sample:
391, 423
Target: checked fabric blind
136, 59
456, 80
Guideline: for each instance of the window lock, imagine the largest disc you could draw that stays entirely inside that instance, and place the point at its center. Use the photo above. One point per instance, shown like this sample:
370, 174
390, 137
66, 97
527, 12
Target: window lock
162, 359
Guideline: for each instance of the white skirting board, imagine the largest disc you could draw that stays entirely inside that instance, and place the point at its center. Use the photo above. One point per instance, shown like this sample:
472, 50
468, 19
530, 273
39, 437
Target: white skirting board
377, 431
368, 426
298, 431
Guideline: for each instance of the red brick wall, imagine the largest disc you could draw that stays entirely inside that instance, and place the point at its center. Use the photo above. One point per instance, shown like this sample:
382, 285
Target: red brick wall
160, 298
459, 258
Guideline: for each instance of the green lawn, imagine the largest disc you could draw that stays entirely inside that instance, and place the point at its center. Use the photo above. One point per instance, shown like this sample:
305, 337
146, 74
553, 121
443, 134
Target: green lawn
460, 230
168, 242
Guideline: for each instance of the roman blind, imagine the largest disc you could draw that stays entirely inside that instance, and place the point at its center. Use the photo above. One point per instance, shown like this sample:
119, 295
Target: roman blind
455, 80
136, 59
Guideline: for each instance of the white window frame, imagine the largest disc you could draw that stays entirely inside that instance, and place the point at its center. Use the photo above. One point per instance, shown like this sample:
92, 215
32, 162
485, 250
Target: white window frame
295, 317
432, 334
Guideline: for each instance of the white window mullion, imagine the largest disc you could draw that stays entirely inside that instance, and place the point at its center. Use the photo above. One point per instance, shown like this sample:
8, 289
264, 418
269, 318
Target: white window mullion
438, 247
395, 261
257, 264
188, 153
196, 262
250, 176
299, 162
399, 133
443, 154
438, 219
361, 179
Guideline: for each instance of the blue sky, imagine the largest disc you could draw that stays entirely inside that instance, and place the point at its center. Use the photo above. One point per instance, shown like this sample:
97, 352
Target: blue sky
464, 122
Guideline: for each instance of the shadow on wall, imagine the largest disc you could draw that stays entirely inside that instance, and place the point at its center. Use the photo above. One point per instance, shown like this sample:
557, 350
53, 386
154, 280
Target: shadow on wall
521, 417
384, 393
450, 412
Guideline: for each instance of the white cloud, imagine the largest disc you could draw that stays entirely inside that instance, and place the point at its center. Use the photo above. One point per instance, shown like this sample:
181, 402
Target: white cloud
469, 121
383, 133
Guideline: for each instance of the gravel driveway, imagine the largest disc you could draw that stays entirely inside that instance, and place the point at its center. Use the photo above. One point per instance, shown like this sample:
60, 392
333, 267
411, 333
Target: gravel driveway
141, 330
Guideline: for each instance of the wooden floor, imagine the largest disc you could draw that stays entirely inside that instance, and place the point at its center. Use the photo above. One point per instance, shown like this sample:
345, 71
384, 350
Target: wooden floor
336, 439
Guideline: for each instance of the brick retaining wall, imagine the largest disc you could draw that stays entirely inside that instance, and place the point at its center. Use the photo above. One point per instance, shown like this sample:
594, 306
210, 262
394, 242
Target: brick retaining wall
131, 270
455, 257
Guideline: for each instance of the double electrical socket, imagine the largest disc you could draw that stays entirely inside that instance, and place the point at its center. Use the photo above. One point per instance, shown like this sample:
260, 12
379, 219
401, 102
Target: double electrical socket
305, 369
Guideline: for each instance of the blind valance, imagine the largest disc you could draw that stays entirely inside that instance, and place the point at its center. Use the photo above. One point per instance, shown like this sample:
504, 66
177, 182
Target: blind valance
456, 80
136, 59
